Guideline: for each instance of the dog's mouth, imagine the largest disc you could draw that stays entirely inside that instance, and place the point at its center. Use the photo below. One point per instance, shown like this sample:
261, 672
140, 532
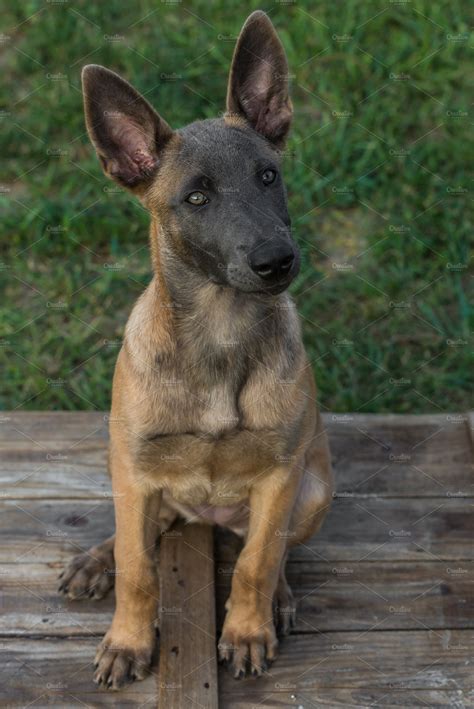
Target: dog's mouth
243, 280
275, 289
248, 286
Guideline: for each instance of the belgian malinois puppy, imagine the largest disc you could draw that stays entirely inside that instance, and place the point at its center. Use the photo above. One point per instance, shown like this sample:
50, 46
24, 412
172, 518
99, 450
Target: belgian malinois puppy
214, 411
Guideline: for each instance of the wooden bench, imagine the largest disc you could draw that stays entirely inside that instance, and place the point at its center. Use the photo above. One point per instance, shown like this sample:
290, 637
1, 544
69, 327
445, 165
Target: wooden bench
385, 591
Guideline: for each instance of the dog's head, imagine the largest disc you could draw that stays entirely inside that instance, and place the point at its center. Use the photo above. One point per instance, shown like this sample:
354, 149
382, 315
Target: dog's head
215, 185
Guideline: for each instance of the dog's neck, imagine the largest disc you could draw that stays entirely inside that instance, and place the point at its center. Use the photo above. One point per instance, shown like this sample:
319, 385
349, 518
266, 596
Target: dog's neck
184, 320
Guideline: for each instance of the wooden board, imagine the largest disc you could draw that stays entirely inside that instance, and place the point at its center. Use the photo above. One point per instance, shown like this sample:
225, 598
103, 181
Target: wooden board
61, 454
41, 426
369, 530
52, 530
188, 666
41, 610
389, 668
364, 596
384, 592
348, 596
54, 471
341, 698
377, 529
406, 660
401, 456
58, 672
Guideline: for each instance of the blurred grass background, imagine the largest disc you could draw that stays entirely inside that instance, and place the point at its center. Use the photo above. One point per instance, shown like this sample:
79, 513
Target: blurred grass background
378, 173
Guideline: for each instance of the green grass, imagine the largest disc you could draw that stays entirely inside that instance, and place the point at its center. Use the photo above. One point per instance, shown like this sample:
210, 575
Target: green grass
377, 172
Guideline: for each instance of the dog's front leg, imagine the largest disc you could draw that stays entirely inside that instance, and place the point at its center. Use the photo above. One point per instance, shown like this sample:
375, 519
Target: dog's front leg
126, 651
248, 635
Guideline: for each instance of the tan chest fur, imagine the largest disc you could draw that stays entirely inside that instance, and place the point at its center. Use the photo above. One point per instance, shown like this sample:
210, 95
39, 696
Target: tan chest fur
210, 417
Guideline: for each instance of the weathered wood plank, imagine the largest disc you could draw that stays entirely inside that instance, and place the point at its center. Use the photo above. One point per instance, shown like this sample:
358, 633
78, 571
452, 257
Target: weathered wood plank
57, 469
188, 666
356, 698
348, 596
403, 660
383, 666
53, 672
52, 531
340, 591
401, 455
32, 606
363, 596
40, 426
355, 530
62, 454
375, 529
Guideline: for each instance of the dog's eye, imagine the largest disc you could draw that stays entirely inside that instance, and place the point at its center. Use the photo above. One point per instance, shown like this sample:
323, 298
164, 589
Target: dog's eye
197, 198
268, 176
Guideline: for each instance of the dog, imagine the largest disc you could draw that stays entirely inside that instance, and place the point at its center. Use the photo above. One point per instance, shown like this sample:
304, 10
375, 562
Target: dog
214, 414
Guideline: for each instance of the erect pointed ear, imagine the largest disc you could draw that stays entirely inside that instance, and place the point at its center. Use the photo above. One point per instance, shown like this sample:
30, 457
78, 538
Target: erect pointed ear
125, 130
258, 81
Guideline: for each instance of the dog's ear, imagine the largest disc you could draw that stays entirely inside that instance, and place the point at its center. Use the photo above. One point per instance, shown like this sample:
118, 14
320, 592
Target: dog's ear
125, 130
258, 82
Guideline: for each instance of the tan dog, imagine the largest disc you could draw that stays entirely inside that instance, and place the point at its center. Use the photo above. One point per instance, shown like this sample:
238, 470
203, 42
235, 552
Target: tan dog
214, 411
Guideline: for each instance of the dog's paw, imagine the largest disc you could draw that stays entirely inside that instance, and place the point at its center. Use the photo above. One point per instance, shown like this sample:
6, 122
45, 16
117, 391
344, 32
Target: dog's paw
119, 664
89, 575
248, 646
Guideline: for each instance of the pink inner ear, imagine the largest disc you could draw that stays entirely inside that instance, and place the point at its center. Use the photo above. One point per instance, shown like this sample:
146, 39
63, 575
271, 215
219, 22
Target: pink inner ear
275, 120
133, 157
256, 90
265, 105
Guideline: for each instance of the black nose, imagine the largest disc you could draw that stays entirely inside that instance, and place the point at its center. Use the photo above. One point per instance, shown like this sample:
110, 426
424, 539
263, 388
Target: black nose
271, 262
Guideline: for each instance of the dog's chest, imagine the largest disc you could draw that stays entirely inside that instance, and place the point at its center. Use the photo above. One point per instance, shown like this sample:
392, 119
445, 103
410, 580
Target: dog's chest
215, 435
222, 410
206, 382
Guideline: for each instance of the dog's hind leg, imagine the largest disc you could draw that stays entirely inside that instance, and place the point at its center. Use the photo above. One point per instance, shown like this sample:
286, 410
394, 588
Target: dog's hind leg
311, 506
284, 606
92, 573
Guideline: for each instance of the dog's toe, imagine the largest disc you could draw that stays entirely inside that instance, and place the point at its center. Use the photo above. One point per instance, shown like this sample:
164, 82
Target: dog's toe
117, 667
248, 654
89, 575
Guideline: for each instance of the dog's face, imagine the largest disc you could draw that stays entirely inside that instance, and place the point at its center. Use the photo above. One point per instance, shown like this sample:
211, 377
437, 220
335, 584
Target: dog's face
215, 186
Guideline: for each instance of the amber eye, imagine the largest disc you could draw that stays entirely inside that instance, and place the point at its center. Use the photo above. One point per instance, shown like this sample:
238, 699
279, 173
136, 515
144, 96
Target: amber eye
268, 176
197, 198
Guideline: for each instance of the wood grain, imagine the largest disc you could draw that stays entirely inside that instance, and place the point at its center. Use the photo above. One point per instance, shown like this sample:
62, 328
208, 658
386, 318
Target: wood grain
57, 469
406, 660
383, 529
348, 596
58, 672
32, 606
384, 592
356, 530
401, 456
389, 667
41, 426
341, 698
188, 667
361, 596
60, 454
